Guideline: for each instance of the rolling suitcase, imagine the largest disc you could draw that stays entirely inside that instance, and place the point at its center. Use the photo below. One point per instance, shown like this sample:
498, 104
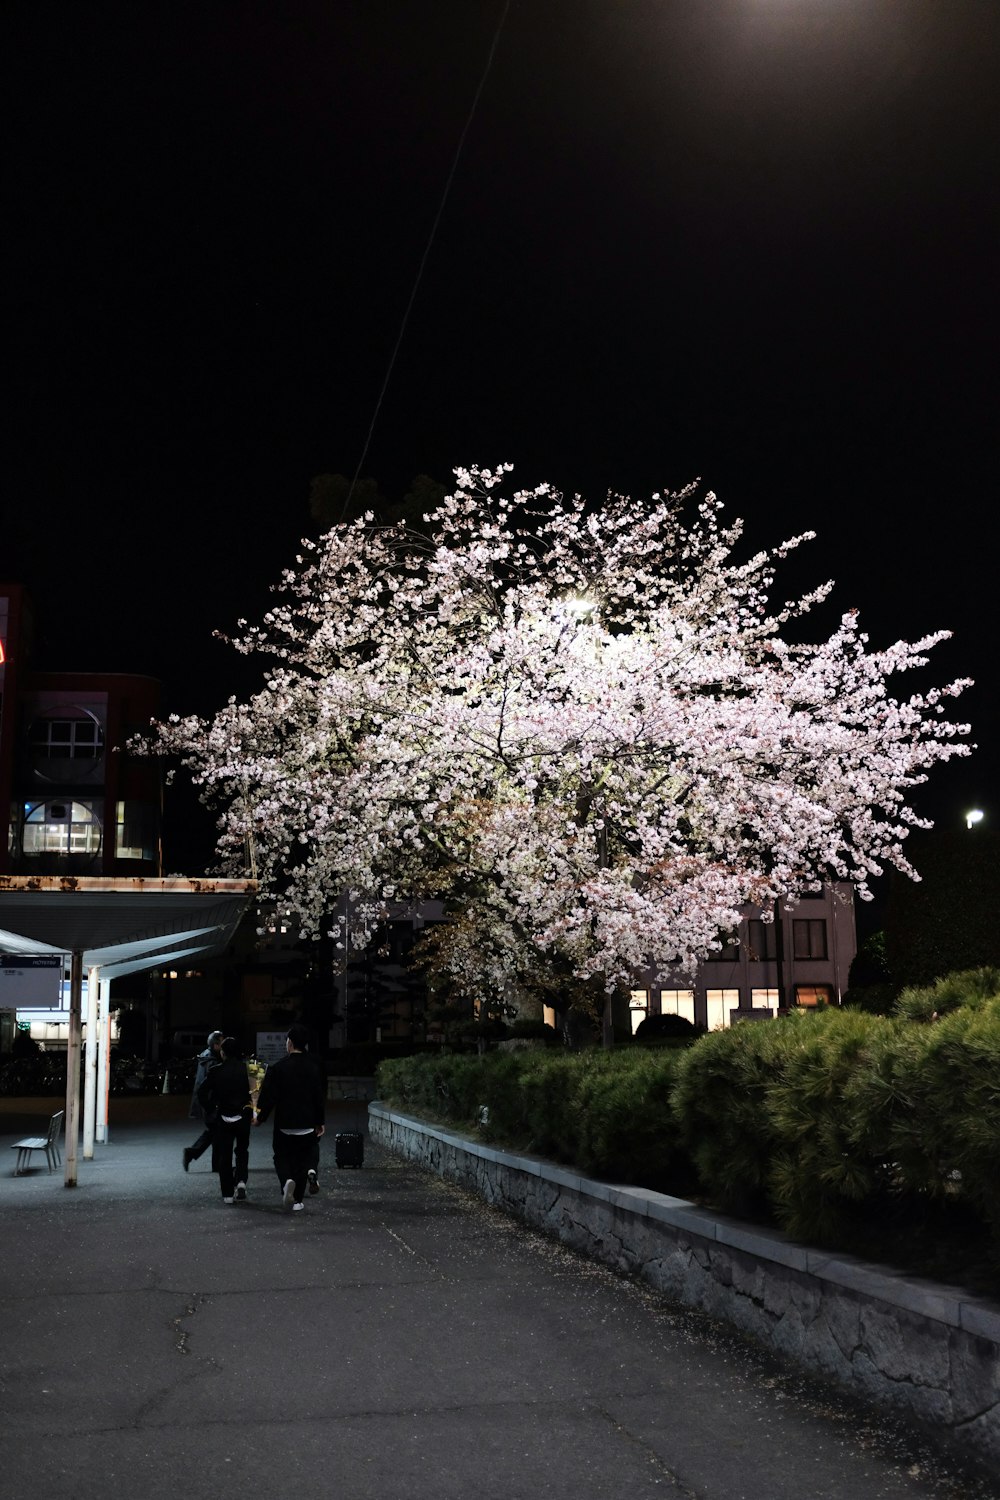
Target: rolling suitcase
350, 1148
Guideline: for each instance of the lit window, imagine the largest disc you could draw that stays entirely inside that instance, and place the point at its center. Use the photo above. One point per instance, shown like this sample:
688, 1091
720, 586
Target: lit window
134, 831
61, 828
718, 1004
764, 1000
638, 1005
809, 996
677, 1003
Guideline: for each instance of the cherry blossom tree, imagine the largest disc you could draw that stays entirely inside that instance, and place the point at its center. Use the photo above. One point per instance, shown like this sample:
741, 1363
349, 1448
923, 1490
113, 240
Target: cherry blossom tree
585, 728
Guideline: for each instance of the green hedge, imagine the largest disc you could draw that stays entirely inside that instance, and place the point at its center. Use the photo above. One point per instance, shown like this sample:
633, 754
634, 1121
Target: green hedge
879, 1134
606, 1112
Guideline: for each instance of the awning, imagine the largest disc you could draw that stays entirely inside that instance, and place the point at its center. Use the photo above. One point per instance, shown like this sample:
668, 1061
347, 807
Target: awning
117, 926
112, 920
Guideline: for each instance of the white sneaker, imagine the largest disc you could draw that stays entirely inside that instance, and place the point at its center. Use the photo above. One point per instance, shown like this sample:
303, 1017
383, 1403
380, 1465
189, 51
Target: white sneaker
241, 1192
297, 1208
227, 1200
288, 1194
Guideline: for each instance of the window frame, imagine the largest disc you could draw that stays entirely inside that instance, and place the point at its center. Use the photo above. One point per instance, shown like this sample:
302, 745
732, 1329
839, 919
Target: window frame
805, 932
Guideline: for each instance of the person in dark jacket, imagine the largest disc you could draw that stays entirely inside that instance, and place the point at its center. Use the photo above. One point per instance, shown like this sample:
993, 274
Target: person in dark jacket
295, 1089
206, 1060
225, 1098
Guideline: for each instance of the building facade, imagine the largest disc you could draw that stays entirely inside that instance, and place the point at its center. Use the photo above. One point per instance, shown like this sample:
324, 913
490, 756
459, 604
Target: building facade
76, 803
800, 958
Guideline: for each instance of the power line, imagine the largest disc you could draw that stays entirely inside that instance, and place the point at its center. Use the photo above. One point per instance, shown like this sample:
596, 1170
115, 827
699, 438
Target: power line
423, 259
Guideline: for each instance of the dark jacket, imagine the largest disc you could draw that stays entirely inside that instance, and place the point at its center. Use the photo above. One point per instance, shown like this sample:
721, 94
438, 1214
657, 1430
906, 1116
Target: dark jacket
294, 1088
226, 1089
207, 1060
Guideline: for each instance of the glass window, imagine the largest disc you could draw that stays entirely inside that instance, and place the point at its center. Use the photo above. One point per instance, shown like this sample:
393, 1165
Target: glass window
61, 828
761, 946
728, 952
77, 738
638, 1006
718, 1004
677, 1003
764, 1000
809, 937
134, 831
812, 995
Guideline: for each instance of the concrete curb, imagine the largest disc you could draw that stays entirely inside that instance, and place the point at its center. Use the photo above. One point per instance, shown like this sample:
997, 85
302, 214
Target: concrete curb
918, 1348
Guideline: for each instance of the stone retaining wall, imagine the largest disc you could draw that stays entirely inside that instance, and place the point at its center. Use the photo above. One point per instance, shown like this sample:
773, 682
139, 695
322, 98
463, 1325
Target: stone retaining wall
921, 1349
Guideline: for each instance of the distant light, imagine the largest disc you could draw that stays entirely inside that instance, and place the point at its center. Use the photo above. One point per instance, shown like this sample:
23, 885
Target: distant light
580, 606
975, 816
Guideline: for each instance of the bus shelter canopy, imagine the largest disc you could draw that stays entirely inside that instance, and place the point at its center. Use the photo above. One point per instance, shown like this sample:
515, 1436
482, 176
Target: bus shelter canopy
113, 927
120, 925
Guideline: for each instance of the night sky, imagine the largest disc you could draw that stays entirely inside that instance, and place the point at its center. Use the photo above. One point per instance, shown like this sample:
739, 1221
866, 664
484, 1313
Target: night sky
751, 241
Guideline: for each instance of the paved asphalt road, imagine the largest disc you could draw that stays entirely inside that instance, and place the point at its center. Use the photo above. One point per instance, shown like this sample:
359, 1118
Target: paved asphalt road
396, 1339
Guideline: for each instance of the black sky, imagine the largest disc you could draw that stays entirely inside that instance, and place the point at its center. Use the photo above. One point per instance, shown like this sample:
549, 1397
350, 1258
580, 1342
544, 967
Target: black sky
749, 240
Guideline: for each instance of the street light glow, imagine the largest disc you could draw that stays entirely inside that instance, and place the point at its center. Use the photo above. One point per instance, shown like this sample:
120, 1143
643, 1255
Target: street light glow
975, 816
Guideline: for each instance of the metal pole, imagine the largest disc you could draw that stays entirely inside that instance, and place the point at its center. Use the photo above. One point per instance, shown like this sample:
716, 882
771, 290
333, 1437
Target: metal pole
90, 1064
103, 1059
73, 1065
607, 1015
779, 956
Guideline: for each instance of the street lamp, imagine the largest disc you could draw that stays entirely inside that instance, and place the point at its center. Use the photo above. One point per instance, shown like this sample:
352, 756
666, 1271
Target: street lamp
975, 816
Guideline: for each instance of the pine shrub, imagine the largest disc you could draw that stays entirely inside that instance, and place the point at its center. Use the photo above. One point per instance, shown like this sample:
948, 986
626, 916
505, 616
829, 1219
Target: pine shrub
819, 1173
720, 1106
929, 1104
931, 1002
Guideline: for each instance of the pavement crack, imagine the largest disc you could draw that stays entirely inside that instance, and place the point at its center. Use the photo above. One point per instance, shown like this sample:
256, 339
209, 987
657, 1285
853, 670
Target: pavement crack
412, 1250
399, 1239
182, 1334
654, 1458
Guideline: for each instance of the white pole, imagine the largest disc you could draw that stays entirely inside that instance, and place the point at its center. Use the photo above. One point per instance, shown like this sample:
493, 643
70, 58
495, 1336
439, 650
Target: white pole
90, 1064
103, 1060
72, 1121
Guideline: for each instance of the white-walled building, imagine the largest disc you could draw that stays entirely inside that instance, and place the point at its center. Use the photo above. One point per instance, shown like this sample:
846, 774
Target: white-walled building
801, 958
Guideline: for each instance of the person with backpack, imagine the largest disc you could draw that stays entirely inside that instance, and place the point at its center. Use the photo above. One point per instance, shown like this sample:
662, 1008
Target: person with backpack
206, 1060
225, 1097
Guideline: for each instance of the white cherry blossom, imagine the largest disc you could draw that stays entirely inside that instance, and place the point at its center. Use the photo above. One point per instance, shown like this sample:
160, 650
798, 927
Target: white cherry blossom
583, 727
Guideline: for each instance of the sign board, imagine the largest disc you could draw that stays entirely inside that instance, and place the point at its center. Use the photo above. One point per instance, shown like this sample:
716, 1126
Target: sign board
58, 1015
31, 983
270, 1046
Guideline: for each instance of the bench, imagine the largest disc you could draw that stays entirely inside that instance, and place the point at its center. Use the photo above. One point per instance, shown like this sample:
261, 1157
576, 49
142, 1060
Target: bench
49, 1143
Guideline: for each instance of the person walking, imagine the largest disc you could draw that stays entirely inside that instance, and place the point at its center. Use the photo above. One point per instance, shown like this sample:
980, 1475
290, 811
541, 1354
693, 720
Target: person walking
225, 1097
294, 1089
206, 1060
